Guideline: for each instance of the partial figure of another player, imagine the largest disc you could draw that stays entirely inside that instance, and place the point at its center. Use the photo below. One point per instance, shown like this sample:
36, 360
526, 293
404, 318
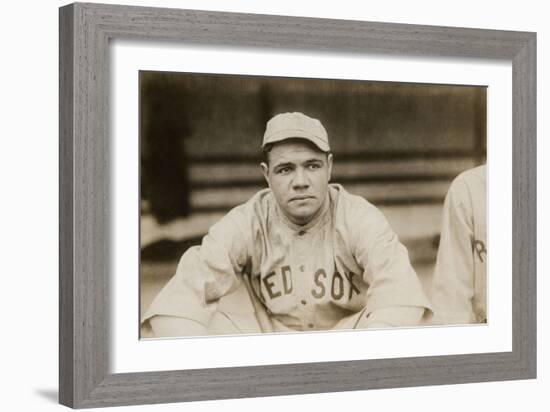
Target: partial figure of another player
301, 255
459, 290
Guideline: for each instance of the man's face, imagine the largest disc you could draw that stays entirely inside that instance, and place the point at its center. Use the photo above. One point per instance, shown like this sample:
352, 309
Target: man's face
298, 174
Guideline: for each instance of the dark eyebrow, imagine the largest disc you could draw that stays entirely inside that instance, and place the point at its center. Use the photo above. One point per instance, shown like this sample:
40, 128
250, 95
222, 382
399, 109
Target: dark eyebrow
318, 162
282, 165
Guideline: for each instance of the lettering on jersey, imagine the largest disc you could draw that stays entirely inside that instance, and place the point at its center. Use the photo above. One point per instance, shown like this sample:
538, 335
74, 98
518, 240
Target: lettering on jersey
337, 282
337, 285
269, 285
319, 293
353, 288
287, 279
480, 249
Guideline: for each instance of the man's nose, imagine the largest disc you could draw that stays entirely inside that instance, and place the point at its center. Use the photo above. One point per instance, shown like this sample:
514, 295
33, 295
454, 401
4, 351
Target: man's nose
300, 179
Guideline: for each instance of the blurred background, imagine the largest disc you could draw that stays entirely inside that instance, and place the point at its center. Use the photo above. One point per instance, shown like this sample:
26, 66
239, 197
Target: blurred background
399, 145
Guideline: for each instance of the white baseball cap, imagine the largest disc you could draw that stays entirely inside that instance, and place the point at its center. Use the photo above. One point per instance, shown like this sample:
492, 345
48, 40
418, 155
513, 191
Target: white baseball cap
296, 125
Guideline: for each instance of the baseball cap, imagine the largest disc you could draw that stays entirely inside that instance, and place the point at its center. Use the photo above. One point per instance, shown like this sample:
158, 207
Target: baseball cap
296, 125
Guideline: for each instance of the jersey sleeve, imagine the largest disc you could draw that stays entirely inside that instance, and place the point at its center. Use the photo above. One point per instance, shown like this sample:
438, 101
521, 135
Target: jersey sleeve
205, 273
453, 279
387, 270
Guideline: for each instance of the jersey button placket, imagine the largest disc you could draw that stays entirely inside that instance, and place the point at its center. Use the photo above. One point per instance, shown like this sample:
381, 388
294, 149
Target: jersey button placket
302, 296
303, 292
303, 249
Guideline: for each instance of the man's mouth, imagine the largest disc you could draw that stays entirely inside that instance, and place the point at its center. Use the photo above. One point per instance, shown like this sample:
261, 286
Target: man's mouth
301, 197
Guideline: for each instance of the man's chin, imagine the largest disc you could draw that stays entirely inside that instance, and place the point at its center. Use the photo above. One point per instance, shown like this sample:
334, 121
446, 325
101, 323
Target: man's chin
302, 217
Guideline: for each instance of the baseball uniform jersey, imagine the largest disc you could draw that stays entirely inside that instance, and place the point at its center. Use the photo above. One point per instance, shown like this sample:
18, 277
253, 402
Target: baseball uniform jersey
460, 275
345, 261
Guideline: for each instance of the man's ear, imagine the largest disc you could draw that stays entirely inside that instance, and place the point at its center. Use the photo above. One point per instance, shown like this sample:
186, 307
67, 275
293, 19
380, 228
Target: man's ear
265, 171
329, 163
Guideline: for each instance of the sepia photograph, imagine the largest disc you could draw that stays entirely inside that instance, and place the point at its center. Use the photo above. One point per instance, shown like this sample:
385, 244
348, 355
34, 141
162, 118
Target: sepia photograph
279, 204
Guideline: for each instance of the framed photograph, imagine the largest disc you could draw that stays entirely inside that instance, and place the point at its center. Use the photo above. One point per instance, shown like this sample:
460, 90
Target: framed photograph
398, 145
230, 182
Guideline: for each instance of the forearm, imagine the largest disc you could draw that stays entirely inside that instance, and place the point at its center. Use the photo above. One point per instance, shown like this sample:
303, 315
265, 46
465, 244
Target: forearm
166, 326
392, 317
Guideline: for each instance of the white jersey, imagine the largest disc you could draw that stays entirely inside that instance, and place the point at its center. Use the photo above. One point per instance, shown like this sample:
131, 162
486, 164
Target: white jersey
460, 276
308, 277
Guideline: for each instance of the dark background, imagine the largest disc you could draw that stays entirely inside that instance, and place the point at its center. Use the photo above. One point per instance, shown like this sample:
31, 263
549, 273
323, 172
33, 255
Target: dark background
397, 144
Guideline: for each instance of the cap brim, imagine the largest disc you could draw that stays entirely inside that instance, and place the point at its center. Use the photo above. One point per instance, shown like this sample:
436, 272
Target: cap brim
297, 134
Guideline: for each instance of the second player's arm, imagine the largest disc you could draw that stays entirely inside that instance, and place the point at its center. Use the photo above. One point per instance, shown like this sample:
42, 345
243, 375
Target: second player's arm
453, 279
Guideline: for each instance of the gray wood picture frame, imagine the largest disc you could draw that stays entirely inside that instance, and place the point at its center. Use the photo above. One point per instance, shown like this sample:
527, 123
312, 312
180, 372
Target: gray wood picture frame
85, 31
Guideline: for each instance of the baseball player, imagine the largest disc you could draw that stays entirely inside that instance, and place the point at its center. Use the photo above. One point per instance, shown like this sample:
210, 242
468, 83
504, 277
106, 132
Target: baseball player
460, 276
301, 255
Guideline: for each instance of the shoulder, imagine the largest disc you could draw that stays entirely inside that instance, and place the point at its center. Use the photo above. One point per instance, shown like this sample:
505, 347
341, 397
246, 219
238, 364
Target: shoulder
475, 176
469, 184
357, 223
252, 212
354, 214
243, 221
350, 205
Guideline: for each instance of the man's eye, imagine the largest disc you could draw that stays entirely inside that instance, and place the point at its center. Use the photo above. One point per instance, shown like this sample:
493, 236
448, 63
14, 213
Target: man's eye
284, 170
314, 166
